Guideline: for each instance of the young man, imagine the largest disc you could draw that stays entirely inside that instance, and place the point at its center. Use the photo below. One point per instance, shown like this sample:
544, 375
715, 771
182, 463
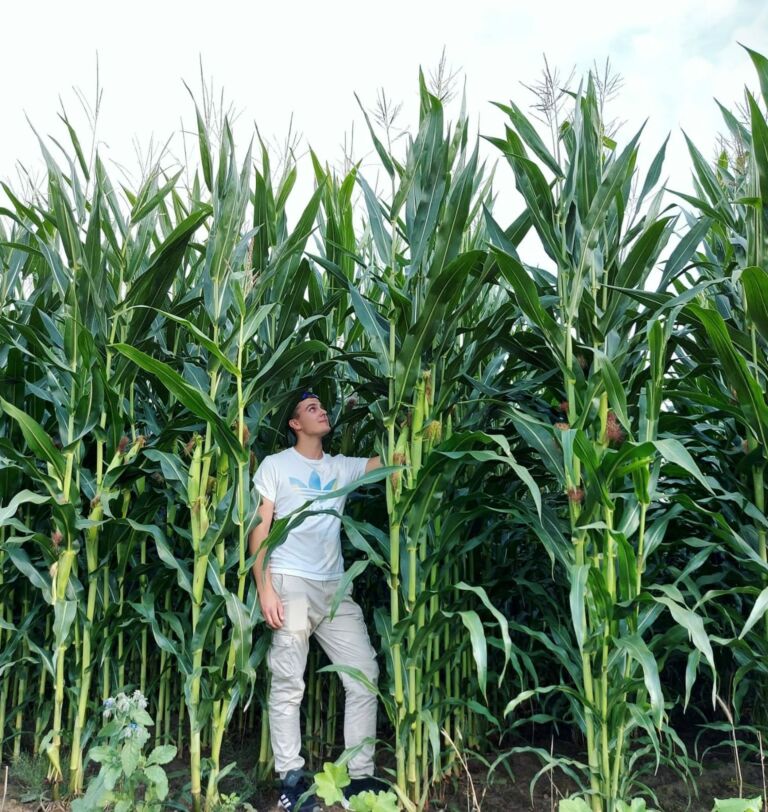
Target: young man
296, 588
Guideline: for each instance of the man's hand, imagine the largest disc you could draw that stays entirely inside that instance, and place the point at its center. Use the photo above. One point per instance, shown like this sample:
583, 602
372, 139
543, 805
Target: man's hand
269, 600
271, 607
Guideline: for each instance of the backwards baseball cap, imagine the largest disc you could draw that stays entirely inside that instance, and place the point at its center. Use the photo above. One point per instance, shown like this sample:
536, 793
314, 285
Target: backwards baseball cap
305, 395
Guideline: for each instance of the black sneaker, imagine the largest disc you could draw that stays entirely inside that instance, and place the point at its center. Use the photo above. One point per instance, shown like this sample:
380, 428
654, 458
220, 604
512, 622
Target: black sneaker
366, 783
294, 786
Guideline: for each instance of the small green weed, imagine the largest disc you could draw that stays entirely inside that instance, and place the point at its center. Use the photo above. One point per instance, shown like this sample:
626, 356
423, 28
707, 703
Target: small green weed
30, 774
128, 780
638, 805
330, 787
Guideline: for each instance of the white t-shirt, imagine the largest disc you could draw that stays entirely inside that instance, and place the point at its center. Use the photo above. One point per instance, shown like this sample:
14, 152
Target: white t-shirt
290, 480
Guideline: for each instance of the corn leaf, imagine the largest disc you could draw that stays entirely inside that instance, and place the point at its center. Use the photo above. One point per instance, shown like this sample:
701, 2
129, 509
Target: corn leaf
197, 402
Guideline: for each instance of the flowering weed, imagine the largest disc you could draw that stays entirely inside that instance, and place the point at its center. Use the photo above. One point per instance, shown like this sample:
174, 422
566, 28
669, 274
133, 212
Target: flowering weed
128, 779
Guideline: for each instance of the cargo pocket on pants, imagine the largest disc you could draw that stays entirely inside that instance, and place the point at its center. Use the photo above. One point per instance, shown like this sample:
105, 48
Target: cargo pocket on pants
286, 657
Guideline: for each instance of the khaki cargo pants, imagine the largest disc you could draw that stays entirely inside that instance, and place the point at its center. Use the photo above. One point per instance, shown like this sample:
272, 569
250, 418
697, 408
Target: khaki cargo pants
345, 640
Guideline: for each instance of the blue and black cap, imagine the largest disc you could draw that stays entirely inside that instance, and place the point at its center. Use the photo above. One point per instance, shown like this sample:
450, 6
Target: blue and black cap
303, 395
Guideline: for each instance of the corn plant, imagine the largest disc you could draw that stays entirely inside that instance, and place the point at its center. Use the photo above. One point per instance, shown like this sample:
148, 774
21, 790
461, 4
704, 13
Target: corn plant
237, 309
603, 449
125, 314
415, 290
730, 384
65, 253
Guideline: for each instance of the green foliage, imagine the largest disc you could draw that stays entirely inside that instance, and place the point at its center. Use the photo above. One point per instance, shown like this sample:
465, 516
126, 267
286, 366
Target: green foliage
580, 805
228, 802
374, 802
574, 805
331, 781
128, 779
330, 785
29, 773
636, 805
739, 805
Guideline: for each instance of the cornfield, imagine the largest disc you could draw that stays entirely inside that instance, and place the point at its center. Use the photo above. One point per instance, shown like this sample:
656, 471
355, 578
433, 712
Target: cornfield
569, 533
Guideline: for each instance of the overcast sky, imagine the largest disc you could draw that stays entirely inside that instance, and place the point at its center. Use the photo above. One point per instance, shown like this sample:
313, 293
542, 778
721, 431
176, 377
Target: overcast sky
308, 59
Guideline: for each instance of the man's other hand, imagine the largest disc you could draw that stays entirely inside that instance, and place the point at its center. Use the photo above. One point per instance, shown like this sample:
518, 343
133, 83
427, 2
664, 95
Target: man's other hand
271, 607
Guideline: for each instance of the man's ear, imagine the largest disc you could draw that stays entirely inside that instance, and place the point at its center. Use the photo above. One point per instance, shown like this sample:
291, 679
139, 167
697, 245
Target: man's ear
295, 425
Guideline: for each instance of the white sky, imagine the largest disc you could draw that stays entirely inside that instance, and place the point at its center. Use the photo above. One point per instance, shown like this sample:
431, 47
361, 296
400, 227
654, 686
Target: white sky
307, 59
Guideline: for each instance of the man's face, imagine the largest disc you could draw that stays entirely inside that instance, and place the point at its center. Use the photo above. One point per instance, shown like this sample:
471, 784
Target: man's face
310, 419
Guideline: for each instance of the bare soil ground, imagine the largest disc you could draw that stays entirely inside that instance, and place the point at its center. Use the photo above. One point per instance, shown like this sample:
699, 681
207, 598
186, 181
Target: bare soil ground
507, 793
